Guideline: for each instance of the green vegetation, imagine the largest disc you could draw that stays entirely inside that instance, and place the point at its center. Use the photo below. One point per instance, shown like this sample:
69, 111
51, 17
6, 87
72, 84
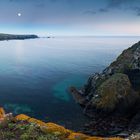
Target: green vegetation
117, 87
112, 91
127, 60
22, 130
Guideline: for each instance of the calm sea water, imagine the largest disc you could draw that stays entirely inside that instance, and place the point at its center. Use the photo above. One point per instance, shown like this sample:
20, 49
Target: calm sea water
35, 75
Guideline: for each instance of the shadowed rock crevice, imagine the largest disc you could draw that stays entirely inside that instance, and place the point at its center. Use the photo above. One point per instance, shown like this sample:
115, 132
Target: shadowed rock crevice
134, 76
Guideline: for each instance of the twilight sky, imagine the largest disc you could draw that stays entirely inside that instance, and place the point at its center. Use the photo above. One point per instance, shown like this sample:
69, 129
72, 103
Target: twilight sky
70, 17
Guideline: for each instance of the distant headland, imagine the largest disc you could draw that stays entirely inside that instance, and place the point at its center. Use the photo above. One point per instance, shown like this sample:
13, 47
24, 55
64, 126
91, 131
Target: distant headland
16, 37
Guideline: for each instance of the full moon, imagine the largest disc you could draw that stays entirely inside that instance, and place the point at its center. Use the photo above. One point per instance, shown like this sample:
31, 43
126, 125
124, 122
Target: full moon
19, 14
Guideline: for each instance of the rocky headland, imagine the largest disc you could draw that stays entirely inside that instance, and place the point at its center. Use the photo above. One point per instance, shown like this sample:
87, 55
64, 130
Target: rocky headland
16, 37
112, 98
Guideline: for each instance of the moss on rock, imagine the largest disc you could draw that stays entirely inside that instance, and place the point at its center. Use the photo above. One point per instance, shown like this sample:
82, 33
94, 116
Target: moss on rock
114, 90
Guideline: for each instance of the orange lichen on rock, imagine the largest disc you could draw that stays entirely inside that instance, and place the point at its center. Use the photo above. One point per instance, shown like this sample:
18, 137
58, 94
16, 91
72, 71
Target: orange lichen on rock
38, 122
55, 127
59, 131
77, 136
22, 117
2, 112
45, 127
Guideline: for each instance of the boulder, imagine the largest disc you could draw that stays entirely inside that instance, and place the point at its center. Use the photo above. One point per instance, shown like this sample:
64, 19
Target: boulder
115, 93
78, 96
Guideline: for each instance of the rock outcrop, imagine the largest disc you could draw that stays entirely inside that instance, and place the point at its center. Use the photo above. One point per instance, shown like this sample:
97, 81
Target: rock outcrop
116, 90
115, 85
115, 93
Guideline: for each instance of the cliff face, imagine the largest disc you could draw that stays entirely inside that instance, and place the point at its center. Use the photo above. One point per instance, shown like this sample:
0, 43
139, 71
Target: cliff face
113, 94
118, 84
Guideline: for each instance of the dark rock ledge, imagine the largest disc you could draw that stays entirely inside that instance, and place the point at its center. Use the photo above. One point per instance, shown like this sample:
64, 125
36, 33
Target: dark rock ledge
112, 98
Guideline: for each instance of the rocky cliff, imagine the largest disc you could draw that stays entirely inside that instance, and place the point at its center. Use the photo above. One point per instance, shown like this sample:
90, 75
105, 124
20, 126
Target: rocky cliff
121, 80
115, 92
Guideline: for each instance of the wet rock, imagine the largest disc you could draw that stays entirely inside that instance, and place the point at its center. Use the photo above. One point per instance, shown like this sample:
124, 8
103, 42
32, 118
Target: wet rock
78, 96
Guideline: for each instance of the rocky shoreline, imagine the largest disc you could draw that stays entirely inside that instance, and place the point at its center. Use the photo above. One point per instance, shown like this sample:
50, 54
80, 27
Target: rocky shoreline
16, 37
112, 98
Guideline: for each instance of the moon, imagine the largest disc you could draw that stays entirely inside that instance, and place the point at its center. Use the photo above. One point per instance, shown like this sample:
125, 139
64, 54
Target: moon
19, 14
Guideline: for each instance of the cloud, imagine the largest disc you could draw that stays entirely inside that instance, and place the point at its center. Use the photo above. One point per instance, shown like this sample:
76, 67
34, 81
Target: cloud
136, 10
103, 10
116, 3
40, 5
125, 5
93, 12
90, 12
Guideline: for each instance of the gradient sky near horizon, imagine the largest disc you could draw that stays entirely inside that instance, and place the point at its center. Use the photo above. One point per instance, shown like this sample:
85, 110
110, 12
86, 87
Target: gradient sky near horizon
70, 17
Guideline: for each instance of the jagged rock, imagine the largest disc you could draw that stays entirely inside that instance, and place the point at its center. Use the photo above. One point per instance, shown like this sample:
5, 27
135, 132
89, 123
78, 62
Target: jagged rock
107, 90
78, 96
115, 93
129, 59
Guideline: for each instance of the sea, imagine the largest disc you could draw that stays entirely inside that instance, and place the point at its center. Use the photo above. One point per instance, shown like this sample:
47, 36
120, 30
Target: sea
36, 74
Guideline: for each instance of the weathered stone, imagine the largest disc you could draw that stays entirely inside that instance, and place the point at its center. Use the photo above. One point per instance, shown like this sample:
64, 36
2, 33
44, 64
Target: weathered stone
117, 87
115, 93
78, 96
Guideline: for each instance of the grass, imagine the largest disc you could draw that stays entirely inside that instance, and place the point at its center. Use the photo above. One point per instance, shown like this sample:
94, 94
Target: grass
23, 131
